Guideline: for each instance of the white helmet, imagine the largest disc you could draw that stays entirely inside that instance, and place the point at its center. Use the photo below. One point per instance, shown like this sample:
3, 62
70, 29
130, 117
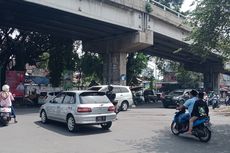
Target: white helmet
6, 88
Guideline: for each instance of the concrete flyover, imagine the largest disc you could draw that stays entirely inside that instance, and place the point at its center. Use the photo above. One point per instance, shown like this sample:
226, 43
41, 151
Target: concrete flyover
111, 27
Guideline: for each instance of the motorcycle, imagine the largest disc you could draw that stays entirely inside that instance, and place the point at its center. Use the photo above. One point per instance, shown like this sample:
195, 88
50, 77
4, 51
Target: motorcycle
5, 115
201, 127
214, 101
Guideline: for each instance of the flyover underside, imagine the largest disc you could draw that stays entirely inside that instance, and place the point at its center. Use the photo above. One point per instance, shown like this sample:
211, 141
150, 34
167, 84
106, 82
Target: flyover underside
32, 17
174, 50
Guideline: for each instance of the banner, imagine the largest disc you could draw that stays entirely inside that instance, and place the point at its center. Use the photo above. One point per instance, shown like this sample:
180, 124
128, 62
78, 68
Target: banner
15, 79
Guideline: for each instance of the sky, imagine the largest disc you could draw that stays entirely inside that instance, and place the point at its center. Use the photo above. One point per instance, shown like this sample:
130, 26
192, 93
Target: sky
186, 5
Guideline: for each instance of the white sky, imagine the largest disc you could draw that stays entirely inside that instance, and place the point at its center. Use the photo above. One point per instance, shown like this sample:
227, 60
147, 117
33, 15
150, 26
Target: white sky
186, 5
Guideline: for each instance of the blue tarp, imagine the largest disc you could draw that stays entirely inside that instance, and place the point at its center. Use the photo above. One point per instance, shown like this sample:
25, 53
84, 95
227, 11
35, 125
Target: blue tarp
36, 80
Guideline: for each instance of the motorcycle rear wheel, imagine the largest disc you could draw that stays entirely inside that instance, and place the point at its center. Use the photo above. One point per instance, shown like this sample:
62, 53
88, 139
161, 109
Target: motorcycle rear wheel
173, 128
207, 136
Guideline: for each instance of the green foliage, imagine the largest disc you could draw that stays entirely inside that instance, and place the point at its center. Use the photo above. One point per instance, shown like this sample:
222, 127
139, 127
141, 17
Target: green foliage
211, 32
173, 4
91, 65
60, 59
148, 7
136, 63
186, 79
44, 60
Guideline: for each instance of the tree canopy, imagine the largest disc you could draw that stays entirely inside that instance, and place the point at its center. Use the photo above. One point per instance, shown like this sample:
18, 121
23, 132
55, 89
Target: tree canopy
135, 64
211, 27
174, 4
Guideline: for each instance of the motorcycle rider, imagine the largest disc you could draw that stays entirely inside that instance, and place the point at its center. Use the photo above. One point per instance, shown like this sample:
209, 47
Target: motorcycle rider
188, 105
200, 109
6, 99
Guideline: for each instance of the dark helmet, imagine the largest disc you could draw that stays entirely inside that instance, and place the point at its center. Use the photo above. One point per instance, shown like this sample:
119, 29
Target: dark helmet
110, 88
193, 93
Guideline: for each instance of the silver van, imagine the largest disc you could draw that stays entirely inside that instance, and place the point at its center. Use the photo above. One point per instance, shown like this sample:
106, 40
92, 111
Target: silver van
123, 94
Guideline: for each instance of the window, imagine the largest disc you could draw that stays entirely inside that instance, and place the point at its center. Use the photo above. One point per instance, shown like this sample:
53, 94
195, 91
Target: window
51, 93
116, 90
59, 98
69, 98
43, 94
123, 89
95, 88
104, 89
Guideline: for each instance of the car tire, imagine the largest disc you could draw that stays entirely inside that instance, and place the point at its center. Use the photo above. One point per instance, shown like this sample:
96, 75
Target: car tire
124, 106
106, 126
71, 124
44, 118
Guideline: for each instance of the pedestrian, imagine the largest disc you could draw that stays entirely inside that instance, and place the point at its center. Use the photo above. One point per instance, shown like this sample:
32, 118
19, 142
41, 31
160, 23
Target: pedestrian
6, 99
111, 95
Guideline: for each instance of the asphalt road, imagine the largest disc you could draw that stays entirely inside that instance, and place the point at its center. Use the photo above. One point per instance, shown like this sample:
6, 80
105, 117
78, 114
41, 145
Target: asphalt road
144, 129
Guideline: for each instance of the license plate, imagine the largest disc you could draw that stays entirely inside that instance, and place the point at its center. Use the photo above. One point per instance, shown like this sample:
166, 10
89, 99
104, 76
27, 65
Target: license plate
5, 109
100, 118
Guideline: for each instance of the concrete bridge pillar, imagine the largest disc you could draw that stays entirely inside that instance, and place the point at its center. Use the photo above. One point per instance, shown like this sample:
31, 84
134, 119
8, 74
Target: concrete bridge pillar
115, 50
114, 68
212, 81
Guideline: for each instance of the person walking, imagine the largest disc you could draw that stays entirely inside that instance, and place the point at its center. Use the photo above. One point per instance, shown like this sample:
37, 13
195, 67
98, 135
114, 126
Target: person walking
6, 99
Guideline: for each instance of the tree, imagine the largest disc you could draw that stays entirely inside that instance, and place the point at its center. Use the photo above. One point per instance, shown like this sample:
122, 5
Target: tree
91, 65
211, 27
173, 4
186, 79
136, 63
60, 59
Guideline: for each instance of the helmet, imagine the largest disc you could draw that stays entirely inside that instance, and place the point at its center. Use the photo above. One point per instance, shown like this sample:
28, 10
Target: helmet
5, 88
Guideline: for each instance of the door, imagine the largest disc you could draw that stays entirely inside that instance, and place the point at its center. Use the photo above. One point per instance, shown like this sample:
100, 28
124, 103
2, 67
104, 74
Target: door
57, 102
67, 106
119, 95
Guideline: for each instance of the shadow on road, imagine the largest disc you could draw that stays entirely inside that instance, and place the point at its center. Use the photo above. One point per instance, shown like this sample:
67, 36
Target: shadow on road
149, 105
166, 142
61, 128
29, 110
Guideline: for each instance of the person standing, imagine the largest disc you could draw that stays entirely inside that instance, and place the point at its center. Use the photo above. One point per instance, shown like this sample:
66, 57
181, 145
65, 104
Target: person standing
6, 99
111, 95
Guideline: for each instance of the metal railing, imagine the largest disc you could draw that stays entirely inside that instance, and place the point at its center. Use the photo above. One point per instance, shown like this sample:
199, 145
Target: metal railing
165, 8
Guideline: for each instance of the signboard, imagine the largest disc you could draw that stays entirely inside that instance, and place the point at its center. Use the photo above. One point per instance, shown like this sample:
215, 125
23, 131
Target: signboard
15, 79
123, 77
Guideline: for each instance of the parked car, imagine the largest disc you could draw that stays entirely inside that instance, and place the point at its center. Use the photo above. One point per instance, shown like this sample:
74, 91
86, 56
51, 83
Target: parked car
123, 95
138, 97
176, 96
45, 97
160, 96
77, 108
150, 96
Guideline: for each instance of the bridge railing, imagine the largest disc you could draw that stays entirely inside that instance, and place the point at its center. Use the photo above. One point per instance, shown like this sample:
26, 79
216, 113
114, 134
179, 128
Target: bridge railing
179, 15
